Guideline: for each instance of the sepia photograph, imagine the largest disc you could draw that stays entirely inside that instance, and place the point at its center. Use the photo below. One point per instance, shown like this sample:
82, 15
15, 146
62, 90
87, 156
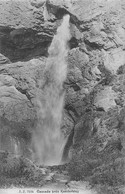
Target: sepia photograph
62, 96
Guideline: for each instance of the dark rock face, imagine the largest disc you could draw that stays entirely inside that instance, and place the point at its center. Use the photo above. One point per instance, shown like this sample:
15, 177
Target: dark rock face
94, 101
23, 32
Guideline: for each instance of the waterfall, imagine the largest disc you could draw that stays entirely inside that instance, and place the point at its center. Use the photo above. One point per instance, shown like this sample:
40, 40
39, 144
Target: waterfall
48, 139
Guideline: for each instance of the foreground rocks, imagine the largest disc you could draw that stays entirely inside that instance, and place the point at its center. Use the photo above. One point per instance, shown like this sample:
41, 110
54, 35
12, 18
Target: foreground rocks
94, 101
21, 172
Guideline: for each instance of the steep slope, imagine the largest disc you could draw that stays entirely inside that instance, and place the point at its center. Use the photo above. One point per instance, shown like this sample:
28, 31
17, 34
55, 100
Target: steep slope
93, 117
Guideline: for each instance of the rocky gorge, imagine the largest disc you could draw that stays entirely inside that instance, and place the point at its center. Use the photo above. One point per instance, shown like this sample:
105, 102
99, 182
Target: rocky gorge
93, 120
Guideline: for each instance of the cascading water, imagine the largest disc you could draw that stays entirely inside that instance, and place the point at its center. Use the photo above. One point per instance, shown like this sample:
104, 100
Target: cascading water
48, 139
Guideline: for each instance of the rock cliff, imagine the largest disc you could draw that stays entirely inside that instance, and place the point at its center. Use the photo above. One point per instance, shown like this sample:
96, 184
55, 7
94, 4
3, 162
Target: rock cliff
95, 96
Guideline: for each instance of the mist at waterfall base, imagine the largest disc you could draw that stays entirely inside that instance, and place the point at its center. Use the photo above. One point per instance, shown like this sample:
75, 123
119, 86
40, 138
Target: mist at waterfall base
48, 140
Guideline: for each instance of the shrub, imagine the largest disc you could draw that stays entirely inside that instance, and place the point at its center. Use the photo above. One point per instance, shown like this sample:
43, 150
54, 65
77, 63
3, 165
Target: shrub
18, 171
106, 167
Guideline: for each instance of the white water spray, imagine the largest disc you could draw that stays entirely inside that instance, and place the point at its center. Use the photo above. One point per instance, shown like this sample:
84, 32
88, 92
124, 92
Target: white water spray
48, 139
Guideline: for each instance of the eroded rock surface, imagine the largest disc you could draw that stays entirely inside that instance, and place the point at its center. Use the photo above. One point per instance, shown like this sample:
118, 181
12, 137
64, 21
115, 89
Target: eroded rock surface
94, 101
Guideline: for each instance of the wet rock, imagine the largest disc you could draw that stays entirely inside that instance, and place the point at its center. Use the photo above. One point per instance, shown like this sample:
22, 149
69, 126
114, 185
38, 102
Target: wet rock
18, 105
